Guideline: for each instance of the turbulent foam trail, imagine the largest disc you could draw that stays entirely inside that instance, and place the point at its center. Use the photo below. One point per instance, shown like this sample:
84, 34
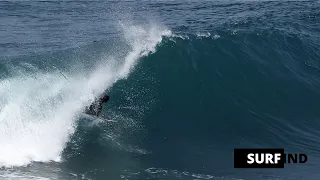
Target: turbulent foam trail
38, 110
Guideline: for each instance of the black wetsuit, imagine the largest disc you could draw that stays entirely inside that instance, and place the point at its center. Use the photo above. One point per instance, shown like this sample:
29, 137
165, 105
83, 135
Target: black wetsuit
96, 107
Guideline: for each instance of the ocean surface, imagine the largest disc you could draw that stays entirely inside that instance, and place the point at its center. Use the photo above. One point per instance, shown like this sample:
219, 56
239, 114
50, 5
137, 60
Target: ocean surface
189, 81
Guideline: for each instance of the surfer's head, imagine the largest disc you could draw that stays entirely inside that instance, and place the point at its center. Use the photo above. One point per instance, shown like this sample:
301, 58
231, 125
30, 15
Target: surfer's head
105, 98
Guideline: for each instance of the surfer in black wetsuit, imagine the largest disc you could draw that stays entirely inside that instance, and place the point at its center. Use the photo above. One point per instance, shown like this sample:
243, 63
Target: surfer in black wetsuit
96, 107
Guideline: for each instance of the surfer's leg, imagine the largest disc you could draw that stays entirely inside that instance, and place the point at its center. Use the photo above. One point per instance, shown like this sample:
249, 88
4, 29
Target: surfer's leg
98, 113
99, 109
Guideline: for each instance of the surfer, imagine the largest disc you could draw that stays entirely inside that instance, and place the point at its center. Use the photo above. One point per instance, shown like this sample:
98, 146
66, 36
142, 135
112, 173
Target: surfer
96, 107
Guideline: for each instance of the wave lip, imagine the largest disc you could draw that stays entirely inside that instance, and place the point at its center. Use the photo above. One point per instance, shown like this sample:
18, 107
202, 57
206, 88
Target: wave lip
38, 111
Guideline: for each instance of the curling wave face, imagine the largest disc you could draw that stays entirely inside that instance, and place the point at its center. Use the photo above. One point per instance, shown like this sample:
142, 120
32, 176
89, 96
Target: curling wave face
39, 109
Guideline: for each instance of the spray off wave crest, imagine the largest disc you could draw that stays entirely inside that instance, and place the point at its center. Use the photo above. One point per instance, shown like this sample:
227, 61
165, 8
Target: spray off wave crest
38, 111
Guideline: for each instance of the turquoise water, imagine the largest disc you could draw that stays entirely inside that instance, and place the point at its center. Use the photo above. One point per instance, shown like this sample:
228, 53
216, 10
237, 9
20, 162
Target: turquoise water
188, 81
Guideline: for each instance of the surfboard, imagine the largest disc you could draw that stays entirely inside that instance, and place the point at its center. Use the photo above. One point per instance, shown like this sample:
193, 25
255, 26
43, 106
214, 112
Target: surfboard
96, 118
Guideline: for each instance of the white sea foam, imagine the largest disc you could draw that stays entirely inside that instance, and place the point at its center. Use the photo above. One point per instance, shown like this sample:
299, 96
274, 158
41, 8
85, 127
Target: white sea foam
38, 110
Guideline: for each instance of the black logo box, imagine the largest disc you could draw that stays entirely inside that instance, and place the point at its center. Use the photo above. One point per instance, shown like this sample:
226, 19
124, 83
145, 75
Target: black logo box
240, 158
